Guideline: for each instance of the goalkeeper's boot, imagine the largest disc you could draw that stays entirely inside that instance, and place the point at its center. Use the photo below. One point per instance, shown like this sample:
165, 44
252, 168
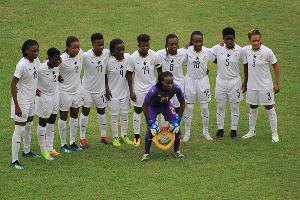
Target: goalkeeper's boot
177, 154
47, 155
249, 134
116, 142
105, 140
207, 136
54, 153
17, 165
83, 144
219, 134
126, 140
145, 158
74, 147
30, 155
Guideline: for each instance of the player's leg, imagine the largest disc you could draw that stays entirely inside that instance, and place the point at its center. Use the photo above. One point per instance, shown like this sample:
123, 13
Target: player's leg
137, 117
103, 126
41, 135
235, 113
50, 135
221, 98
252, 99
114, 109
83, 123
125, 108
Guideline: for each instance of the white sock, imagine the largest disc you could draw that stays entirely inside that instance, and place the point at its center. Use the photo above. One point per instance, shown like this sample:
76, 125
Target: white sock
73, 129
252, 118
205, 116
235, 113
49, 136
27, 136
83, 123
273, 121
62, 128
41, 131
163, 121
124, 124
188, 117
16, 141
103, 124
221, 114
114, 125
137, 123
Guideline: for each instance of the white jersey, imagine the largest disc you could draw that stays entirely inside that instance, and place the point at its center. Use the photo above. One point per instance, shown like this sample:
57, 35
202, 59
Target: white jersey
26, 72
93, 80
144, 70
173, 64
117, 81
197, 62
228, 61
70, 70
47, 79
259, 75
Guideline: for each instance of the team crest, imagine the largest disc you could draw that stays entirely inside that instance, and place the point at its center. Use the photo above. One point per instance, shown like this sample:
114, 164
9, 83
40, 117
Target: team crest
151, 62
164, 139
45, 113
204, 58
261, 57
62, 105
235, 57
179, 60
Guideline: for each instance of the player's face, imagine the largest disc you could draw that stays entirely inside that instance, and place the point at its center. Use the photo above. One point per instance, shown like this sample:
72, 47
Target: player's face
143, 48
167, 83
54, 61
119, 51
73, 49
32, 52
229, 41
172, 45
197, 41
98, 46
255, 42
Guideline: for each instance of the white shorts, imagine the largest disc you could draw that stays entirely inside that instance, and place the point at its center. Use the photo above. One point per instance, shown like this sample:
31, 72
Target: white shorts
174, 100
140, 96
228, 89
66, 101
197, 89
260, 97
46, 105
119, 106
99, 99
27, 111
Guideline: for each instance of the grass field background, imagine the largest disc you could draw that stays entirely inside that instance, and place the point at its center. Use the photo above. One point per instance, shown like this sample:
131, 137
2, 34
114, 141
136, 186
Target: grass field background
220, 169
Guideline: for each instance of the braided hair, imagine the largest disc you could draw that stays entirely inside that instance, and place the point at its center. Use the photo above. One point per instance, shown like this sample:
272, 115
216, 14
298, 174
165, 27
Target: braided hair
170, 36
161, 78
192, 35
27, 44
112, 45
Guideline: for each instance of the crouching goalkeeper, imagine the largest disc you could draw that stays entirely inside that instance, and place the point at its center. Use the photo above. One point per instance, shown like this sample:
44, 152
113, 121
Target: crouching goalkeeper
158, 101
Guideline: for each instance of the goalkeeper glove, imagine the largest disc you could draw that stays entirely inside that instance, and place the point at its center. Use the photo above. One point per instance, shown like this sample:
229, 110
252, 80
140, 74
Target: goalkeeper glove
153, 127
178, 118
174, 127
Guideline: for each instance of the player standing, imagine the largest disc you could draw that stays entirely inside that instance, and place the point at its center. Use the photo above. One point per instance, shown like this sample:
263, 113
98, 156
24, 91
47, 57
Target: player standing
143, 63
157, 101
197, 84
23, 90
228, 81
118, 90
172, 60
258, 82
47, 102
94, 84
70, 98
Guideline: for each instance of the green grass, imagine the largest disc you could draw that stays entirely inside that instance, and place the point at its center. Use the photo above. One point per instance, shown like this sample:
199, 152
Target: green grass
223, 169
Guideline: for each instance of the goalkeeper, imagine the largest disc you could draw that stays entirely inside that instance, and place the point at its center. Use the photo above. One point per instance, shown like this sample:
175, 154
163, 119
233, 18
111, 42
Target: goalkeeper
157, 101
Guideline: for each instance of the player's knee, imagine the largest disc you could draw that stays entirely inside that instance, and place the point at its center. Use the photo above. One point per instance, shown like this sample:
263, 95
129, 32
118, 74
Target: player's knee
189, 108
124, 116
204, 108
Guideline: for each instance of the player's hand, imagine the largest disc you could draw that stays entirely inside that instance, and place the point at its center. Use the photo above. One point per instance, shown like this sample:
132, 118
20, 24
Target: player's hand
38, 92
153, 127
207, 71
174, 127
276, 88
108, 95
186, 46
244, 87
60, 79
178, 118
18, 111
221, 43
133, 97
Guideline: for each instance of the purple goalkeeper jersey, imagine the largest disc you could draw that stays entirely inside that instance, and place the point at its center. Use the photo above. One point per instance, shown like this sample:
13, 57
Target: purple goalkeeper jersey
158, 98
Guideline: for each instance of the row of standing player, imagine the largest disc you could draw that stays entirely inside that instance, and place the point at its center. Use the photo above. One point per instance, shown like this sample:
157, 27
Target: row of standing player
104, 72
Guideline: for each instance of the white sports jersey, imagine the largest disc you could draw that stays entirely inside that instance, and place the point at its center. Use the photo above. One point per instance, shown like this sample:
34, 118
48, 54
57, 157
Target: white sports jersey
47, 81
70, 70
117, 82
173, 63
197, 62
26, 72
94, 71
228, 61
144, 70
259, 75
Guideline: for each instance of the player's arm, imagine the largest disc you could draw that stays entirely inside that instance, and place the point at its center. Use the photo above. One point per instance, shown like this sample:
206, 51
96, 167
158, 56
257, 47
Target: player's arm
108, 92
244, 86
14, 92
159, 70
276, 72
129, 79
